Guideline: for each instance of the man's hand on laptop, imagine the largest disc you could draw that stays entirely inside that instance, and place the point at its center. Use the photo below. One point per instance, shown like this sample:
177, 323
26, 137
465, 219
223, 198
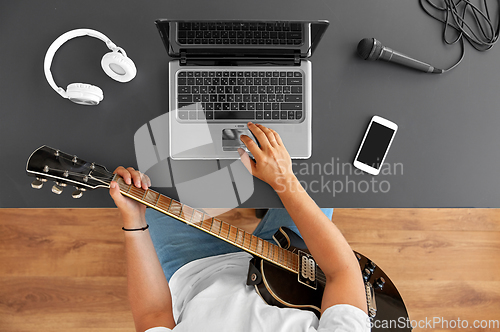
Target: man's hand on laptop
272, 164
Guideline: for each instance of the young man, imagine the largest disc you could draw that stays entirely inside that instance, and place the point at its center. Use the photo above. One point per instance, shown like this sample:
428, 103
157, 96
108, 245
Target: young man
194, 281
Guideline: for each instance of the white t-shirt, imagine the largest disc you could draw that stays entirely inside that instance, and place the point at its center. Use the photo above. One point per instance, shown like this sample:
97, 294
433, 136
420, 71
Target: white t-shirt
211, 294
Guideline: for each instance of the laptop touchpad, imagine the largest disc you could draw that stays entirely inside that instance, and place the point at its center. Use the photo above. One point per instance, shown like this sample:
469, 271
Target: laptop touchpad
231, 139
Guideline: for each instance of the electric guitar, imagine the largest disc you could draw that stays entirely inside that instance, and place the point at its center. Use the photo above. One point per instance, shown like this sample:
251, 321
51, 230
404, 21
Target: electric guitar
284, 274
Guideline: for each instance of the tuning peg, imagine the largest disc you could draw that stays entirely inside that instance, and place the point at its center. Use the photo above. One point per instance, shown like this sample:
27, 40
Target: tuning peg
38, 183
56, 189
77, 194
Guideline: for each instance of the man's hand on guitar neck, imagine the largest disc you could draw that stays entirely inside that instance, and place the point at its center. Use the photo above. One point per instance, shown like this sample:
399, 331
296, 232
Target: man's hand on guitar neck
327, 245
132, 212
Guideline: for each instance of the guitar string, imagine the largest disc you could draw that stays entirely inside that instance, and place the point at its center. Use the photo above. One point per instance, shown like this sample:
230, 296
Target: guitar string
103, 179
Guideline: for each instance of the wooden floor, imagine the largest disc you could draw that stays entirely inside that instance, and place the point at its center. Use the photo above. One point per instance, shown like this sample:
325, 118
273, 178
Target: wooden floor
63, 269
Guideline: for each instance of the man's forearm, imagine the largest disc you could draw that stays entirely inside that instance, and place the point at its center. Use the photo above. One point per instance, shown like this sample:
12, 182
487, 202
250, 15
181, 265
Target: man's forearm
148, 290
327, 245
323, 239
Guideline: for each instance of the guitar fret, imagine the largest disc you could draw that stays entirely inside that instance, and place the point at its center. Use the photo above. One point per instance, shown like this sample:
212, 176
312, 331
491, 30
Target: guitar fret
136, 192
216, 227
175, 208
197, 218
187, 212
247, 240
259, 247
224, 231
288, 259
164, 203
122, 184
265, 251
207, 223
157, 200
254, 242
151, 197
240, 237
232, 234
145, 192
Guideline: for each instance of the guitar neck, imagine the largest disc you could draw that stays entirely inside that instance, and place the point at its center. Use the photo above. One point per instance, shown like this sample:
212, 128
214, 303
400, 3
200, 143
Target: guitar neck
213, 226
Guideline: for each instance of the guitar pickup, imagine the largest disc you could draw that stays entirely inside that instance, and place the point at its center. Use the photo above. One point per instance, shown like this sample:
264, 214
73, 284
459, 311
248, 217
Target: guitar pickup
307, 270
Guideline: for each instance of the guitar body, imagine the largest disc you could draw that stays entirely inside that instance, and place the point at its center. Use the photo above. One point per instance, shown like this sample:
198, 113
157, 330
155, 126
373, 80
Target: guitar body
281, 287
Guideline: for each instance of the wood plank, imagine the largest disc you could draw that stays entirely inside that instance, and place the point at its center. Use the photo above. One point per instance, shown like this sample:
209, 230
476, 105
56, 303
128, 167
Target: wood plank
421, 219
443, 261
64, 269
61, 242
442, 255
64, 304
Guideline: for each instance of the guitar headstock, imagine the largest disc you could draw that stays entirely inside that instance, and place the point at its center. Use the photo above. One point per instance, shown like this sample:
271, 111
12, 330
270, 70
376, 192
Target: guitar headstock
46, 163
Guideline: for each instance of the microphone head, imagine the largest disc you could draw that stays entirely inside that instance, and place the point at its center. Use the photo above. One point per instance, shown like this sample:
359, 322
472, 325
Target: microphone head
369, 49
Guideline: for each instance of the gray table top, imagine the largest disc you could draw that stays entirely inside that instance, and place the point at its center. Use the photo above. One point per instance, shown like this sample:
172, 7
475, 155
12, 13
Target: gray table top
445, 153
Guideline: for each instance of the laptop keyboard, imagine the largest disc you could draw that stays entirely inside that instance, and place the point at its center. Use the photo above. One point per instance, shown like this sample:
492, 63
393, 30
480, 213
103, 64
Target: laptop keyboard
215, 95
239, 33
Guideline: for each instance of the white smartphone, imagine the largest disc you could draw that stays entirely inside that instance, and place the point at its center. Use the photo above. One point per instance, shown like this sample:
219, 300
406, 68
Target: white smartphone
375, 144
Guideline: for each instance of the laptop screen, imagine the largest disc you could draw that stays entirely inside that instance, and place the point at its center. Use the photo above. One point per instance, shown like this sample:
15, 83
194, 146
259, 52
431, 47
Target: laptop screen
240, 39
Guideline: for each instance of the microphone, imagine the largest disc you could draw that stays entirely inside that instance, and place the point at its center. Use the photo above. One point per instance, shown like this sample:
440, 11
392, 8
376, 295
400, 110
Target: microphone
372, 49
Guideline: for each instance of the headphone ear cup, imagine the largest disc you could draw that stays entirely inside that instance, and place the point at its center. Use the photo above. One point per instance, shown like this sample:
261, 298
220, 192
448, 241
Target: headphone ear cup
84, 94
118, 66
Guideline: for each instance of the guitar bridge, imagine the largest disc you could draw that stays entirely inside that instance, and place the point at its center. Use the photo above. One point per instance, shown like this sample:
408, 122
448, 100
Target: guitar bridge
307, 270
370, 300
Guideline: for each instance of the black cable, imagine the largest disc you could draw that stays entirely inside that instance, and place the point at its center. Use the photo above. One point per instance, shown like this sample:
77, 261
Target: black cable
454, 15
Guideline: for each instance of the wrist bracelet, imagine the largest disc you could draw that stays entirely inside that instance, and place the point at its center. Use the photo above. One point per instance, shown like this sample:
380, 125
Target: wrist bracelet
135, 229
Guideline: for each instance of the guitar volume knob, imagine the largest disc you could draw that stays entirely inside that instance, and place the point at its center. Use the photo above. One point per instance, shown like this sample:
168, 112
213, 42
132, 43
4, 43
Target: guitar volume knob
379, 283
366, 274
370, 266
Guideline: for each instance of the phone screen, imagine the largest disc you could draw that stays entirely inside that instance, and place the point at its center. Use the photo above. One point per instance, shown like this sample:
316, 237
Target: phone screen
375, 145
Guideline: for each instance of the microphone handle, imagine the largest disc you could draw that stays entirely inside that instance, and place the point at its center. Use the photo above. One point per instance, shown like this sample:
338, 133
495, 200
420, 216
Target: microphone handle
390, 55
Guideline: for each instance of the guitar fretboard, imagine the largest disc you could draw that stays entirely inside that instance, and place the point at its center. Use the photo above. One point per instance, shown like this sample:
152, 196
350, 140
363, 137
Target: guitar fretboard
218, 228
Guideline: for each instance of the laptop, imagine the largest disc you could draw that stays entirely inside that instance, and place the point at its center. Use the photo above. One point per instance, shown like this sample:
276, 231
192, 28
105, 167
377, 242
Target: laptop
227, 73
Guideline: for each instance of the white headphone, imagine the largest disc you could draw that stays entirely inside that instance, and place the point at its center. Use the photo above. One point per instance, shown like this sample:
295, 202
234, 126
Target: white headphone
115, 64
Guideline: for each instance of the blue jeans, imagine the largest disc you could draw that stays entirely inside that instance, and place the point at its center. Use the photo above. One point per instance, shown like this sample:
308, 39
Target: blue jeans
177, 243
